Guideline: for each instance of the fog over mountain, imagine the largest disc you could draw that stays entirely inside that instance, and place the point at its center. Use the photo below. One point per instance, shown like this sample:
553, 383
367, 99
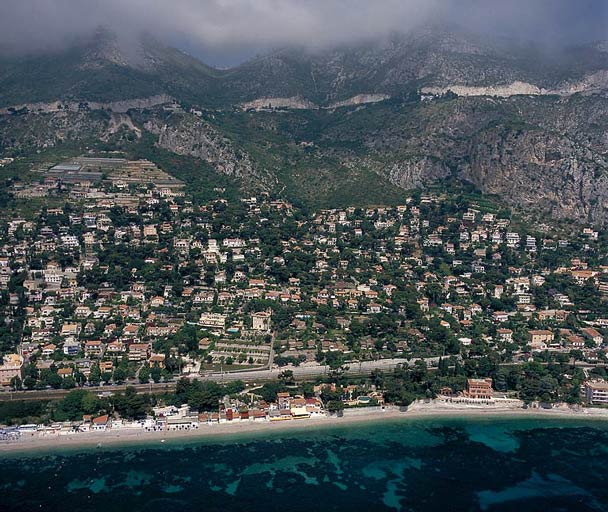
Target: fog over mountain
346, 102
225, 32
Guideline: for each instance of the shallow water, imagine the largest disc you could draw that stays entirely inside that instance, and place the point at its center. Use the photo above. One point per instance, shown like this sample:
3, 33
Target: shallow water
418, 465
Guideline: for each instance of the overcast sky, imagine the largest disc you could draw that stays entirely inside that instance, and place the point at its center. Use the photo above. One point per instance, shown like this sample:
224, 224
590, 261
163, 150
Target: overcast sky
226, 31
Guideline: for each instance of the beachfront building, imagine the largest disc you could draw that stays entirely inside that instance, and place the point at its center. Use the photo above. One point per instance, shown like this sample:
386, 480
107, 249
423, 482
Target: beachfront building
596, 392
103, 422
479, 389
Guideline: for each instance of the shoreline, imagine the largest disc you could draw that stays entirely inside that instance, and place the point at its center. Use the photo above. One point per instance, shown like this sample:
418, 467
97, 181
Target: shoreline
42, 445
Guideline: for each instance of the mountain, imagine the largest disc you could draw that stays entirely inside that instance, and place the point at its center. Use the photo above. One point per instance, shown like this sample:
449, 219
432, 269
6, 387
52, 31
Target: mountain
345, 125
103, 70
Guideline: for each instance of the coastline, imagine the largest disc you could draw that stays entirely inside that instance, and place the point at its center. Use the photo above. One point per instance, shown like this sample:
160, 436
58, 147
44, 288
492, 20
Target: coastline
48, 444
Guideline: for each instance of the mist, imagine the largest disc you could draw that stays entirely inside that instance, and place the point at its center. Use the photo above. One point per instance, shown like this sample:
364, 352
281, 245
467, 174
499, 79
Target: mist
225, 32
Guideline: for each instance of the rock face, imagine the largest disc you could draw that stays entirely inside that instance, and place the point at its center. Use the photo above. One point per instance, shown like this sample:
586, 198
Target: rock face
593, 83
185, 134
417, 173
547, 156
33, 132
299, 103
540, 172
503, 91
295, 102
359, 99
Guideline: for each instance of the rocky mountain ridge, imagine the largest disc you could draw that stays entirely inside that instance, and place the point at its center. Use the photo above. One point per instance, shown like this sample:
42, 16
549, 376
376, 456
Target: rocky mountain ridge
331, 127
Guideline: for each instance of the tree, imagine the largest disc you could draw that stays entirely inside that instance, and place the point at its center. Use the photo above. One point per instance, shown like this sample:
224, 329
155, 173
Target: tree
90, 403
336, 406
72, 405
144, 374
130, 404
68, 383
443, 367
95, 375
234, 387
54, 380
80, 378
269, 391
205, 396
155, 373
29, 382
119, 375
16, 383
286, 377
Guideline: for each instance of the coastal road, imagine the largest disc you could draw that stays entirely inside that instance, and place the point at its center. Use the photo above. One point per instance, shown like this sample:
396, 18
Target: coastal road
302, 372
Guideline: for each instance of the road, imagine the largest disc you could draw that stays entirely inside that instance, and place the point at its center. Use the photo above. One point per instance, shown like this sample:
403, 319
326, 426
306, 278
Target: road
302, 372
312, 370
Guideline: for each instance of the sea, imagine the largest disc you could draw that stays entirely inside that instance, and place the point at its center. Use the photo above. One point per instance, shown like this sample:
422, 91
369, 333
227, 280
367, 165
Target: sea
485, 464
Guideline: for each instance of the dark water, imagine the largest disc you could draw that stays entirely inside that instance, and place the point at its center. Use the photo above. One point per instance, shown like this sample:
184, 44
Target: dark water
418, 465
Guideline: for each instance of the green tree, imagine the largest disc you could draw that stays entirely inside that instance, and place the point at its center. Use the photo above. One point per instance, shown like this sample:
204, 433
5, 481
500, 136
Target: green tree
119, 375
144, 374
16, 383
286, 377
335, 406
155, 373
95, 375
68, 383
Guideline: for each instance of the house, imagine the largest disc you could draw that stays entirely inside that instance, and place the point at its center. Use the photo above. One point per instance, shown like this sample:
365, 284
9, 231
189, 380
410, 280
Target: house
101, 422
283, 400
93, 348
157, 302
576, 341
48, 350
11, 367
204, 344
540, 336
500, 316
70, 329
130, 330
157, 360
593, 335
139, 351
505, 334
374, 307
115, 347
82, 311
479, 388
261, 321
106, 366
65, 372
538, 346
71, 348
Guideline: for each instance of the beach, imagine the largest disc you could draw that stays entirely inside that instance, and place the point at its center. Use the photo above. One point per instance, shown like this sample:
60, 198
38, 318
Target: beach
366, 460
36, 442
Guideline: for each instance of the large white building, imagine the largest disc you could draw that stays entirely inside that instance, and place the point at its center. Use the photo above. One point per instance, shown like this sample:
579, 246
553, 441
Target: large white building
261, 321
596, 392
214, 320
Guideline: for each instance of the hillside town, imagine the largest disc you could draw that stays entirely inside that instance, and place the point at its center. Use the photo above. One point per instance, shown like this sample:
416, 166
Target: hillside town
121, 277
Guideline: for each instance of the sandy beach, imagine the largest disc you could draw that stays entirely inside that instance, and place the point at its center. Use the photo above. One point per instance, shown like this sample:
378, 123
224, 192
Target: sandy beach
129, 437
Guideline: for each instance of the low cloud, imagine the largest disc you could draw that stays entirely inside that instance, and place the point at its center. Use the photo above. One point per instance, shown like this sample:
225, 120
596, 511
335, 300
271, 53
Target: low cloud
225, 29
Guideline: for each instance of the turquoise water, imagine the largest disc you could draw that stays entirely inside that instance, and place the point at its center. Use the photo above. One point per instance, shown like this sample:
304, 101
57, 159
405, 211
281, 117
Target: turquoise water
409, 465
